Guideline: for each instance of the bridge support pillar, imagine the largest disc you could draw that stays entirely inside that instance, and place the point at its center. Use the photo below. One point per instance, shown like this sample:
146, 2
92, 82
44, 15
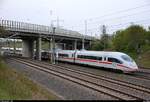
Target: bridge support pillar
38, 49
83, 43
14, 46
28, 48
75, 45
0, 50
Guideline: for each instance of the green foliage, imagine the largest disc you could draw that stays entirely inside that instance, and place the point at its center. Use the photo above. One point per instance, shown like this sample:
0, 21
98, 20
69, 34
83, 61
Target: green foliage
96, 45
131, 39
145, 59
103, 44
135, 41
3, 31
14, 86
45, 45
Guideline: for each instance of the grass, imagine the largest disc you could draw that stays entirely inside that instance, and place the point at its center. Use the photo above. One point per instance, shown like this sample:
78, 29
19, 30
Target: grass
15, 86
145, 60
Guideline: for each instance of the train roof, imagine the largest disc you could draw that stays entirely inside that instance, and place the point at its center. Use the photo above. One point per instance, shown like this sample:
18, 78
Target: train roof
66, 51
99, 53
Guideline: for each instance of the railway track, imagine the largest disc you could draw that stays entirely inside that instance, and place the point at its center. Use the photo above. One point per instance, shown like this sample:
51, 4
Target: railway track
144, 71
110, 79
146, 68
136, 75
80, 81
143, 74
94, 82
140, 75
115, 81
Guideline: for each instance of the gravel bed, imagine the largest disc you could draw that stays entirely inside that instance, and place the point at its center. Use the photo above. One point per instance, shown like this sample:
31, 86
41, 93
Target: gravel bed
145, 72
121, 88
145, 75
111, 74
109, 84
61, 87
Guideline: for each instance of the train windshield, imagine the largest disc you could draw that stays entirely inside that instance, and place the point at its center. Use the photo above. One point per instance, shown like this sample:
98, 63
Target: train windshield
127, 58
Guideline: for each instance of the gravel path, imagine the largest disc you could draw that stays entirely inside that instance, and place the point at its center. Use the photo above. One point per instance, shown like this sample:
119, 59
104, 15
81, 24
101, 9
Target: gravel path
62, 88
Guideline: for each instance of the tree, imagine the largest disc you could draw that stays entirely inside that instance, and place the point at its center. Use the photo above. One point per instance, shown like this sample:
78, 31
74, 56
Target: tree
149, 28
130, 40
146, 46
117, 41
2, 31
103, 44
96, 45
105, 41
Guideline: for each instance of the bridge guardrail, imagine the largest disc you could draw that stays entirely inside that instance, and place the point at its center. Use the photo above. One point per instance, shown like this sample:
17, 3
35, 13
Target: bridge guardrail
41, 29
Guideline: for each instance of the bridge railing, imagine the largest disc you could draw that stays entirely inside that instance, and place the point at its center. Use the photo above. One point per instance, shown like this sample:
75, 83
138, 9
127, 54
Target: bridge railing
13, 25
35, 28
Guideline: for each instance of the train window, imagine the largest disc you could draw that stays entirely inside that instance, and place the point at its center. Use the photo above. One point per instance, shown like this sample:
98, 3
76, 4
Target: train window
80, 56
44, 53
90, 57
127, 58
114, 60
99, 58
63, 55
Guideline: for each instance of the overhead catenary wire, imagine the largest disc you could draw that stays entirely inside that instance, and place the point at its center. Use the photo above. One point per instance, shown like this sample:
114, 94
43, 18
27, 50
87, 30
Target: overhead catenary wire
121, 11
120, 17
125, 25
117, 18
118, 26
110, 14
145, 20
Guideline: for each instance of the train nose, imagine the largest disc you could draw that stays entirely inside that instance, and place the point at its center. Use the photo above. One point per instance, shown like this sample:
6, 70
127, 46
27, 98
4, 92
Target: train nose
134, 66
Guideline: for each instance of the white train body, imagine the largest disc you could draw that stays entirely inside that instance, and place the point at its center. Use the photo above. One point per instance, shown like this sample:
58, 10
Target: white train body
113, 60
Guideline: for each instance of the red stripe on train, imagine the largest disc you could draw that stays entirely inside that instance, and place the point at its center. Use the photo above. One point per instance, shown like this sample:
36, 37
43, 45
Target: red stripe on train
122, 65
105, 62
88, 60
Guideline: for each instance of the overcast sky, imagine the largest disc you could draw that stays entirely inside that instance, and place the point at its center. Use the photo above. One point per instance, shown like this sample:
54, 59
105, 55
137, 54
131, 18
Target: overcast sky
75, 12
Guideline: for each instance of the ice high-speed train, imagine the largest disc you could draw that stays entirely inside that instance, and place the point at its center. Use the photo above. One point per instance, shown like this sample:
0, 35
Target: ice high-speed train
105, 59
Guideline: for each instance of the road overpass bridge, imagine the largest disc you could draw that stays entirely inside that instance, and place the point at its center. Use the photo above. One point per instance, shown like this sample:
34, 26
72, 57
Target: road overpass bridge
33, 32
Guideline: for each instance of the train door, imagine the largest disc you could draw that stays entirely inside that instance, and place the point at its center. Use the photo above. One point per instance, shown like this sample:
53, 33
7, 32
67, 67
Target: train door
57, 57
74, 56
105, 62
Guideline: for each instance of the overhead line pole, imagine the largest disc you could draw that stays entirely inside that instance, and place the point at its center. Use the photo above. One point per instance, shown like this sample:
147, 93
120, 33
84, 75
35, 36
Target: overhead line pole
53, 43
83, 47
